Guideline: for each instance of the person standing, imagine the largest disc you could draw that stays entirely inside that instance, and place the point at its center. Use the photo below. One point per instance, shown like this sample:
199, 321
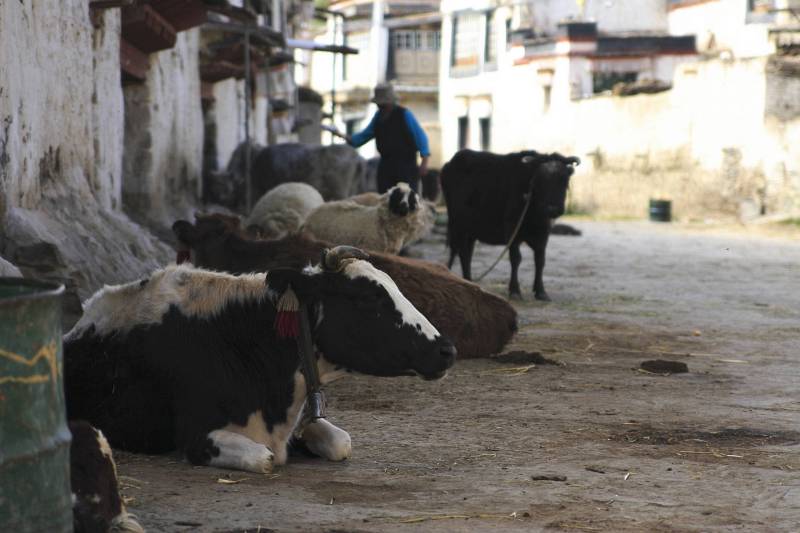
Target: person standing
398, 137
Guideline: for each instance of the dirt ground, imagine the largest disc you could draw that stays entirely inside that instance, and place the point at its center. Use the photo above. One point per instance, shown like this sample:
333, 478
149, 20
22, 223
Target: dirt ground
590, 444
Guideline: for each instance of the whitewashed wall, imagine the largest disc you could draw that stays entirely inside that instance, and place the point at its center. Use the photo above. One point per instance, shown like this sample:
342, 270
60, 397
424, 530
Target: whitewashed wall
46, 112
164, 134
726, 21
709, 144
61, 123
612, 15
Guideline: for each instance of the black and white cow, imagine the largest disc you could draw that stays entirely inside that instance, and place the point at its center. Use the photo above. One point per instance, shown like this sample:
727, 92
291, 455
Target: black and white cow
97, 505
191, 359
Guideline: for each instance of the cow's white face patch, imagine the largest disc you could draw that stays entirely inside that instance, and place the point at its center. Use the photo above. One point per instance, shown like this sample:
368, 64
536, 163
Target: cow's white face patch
411, 315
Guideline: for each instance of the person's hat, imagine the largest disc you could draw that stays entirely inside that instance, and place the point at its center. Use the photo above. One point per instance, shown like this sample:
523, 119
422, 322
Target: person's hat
384, 94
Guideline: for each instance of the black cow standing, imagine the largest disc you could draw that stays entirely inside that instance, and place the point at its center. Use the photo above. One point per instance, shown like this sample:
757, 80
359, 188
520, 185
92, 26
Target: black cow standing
486, 194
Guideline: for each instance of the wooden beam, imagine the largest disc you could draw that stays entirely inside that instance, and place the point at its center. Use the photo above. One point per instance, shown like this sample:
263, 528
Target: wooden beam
182, 14
146, 29
133, 62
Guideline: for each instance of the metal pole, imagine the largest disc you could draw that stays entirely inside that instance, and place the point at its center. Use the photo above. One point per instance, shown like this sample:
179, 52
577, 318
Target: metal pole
333, 77
247, 155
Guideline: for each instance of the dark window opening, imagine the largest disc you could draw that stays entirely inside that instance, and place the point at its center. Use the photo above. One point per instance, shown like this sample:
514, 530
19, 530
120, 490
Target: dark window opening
486, 133
547, 91
490, 39
463, 132
605, 81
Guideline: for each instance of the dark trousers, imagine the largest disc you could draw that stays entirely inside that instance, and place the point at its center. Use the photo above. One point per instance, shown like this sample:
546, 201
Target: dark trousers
390, 172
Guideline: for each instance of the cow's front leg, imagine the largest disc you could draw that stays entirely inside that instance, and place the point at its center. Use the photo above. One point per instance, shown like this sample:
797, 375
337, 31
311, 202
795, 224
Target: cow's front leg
465, 256
326, 440
515, 256
539, 246
225, 449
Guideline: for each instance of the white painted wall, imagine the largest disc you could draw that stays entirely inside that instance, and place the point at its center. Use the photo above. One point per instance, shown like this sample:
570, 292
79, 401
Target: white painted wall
61, 123
47, 118
721, 26
162, 161
613, 15
229, 113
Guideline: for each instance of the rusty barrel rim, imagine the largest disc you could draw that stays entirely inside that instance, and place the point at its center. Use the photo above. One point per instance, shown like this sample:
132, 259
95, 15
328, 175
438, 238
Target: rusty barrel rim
36, 290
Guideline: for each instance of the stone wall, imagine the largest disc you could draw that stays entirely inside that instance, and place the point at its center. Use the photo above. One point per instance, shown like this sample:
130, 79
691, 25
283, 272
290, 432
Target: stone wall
61, 121
163, 153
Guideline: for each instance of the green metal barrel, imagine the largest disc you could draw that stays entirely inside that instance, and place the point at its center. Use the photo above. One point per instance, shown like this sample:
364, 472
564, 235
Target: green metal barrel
660, 210
34, 440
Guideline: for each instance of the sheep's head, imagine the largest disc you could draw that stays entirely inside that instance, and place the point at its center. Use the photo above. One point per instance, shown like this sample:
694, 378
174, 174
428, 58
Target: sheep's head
402, 200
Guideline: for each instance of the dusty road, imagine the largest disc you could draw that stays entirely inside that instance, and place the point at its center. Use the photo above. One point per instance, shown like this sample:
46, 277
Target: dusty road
592, 444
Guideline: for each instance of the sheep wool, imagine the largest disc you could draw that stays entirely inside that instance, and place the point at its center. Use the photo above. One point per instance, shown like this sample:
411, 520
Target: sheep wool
380, 226
282, 210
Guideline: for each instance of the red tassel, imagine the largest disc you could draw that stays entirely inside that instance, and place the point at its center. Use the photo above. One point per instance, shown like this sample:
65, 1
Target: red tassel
287, 321
287, 324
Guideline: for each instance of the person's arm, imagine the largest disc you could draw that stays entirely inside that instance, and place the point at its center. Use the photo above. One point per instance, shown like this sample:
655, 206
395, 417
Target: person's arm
365, 135
420, 140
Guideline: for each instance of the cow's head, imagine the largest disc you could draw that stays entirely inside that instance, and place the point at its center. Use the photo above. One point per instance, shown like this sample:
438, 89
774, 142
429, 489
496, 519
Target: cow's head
402, 200
204, 242
360, 319
549, 181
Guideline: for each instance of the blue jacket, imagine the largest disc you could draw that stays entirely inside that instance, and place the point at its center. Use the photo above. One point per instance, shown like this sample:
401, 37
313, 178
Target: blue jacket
420, 139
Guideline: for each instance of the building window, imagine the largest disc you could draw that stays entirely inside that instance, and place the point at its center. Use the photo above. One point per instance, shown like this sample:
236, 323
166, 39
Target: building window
467, 30
760, 6
417, 40
463, 132
546, 92
490, 41
433, 40
605, 81
486, 133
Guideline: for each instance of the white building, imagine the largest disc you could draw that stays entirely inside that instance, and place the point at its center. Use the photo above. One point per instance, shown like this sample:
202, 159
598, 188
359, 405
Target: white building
545, 76
398, 41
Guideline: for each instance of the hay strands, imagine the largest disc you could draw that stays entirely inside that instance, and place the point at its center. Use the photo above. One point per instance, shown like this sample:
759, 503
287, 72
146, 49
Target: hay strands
419, 519
230, 481
510, 371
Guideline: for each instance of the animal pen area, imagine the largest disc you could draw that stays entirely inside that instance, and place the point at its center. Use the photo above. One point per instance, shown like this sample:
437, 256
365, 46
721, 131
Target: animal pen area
216, 318
565, 431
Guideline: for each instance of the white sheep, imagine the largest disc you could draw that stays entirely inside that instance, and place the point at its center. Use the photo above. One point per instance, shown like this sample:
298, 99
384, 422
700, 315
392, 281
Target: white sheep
384, 223
282, 210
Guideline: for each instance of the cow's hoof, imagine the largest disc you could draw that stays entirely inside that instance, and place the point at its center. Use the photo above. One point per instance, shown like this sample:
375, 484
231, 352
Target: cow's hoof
515, 296
260, 462
541, 296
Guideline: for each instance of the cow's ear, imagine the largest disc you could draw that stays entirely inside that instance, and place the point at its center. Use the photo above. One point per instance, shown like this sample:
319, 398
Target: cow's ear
279, 280
185, 231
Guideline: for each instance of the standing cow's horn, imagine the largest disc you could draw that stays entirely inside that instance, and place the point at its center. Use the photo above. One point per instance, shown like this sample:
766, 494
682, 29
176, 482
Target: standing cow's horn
332, 259
574, 160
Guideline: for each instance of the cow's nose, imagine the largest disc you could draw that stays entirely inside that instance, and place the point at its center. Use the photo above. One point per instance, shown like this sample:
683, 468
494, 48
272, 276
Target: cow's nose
448, 352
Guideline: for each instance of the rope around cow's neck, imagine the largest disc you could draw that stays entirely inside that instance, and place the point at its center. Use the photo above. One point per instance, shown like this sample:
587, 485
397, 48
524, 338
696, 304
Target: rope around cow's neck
511, 240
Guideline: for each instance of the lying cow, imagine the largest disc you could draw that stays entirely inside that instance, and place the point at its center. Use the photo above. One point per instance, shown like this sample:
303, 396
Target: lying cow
205, 362
97, 506
478, 322
486, 194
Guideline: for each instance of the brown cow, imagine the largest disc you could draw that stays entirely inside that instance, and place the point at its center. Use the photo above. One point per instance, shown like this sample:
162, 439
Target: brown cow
479, 323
